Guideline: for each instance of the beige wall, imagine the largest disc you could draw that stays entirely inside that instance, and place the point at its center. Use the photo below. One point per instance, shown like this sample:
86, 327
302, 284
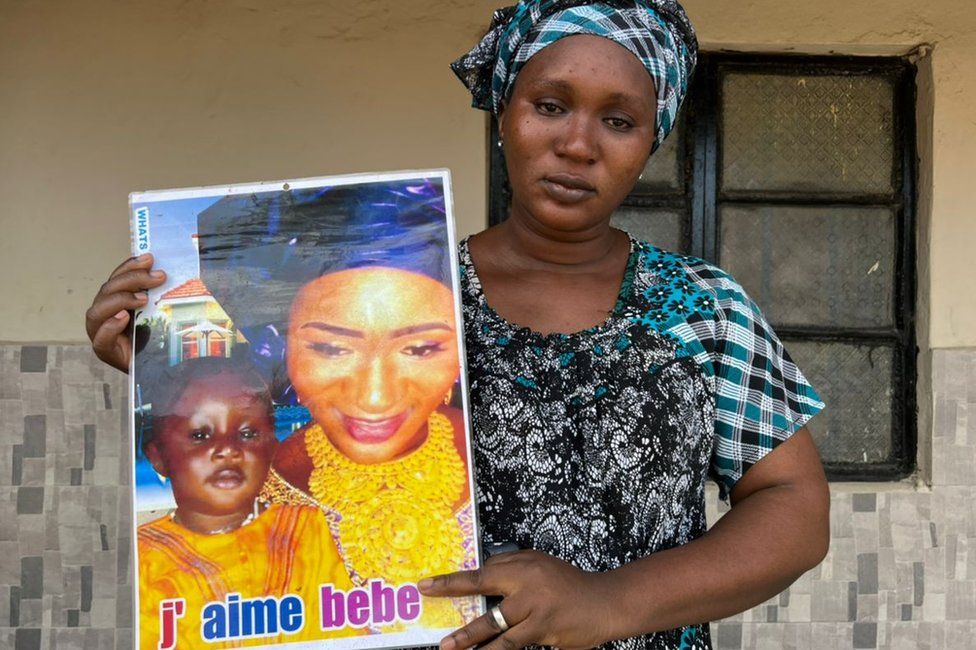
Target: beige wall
101, 98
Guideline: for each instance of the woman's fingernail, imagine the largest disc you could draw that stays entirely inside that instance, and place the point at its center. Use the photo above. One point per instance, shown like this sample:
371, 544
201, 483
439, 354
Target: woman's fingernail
122, 314
144, 257
426, 583
447, 644
157, 273
141, 295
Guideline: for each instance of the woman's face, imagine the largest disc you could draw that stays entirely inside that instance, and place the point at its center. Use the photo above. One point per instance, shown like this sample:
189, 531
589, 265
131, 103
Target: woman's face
577, 129
371, 353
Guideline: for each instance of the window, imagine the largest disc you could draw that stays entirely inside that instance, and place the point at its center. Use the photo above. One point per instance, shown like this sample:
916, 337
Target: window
796, 175
217, 340
190, 347
216, 346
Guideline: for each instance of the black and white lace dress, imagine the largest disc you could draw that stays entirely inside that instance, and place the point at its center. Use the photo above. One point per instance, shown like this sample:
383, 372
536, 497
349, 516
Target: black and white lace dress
595, 446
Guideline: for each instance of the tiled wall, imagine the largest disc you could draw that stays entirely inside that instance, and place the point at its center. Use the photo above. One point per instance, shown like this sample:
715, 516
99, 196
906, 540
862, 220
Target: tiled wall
901, 572
65, 571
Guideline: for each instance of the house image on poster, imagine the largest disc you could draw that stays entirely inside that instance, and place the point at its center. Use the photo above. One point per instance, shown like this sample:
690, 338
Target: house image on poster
199, 326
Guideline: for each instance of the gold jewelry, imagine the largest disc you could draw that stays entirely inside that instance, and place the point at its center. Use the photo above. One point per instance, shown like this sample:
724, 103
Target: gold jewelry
396, 519
277, 490
450, 394
255, 511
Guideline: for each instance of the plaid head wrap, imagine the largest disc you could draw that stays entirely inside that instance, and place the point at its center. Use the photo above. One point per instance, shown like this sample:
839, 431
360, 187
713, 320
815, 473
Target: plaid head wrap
657, 32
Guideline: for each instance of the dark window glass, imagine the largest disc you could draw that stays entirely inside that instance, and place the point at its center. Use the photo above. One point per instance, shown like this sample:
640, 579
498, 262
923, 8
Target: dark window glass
810, 265
666, 227
857, 426
807, 132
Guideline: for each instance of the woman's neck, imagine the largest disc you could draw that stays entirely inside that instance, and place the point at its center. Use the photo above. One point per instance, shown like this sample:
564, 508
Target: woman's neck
531, 247
561, 282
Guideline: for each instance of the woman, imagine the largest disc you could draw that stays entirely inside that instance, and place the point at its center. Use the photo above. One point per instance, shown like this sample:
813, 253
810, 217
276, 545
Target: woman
608, 378
373, 354
358, 278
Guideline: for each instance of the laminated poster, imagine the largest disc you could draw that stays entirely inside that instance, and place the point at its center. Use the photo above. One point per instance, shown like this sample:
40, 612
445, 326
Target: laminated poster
301, 452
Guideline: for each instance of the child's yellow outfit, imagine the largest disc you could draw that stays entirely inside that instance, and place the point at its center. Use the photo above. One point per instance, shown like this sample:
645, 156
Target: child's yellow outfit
285, 550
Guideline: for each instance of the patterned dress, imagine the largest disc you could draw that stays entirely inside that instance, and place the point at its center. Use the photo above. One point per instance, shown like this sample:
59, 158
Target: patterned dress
595, 446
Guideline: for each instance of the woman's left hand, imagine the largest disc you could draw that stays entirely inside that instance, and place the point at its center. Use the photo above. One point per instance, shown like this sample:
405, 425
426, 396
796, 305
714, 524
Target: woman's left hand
546, 601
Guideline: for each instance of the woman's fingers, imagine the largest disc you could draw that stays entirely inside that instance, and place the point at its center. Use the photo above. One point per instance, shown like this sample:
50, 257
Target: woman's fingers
483, 581
108, 306
517, 637
131, 281
111, 343
489, 580
480, 630
144, 261
123, 290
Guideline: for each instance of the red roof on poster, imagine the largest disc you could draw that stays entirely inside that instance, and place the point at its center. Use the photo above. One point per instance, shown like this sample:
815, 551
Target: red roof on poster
190, 289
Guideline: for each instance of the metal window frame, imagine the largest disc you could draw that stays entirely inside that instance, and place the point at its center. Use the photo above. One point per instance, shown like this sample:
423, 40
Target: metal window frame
701, 199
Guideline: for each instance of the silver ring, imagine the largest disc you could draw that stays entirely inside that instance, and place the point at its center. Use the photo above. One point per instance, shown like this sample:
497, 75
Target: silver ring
496, 613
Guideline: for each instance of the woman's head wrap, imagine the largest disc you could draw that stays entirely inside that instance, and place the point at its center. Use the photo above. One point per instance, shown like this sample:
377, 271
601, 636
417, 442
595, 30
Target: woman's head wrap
657, 32
258, 250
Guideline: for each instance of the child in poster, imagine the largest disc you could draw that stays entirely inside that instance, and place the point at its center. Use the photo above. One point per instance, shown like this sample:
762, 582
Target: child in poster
212, 435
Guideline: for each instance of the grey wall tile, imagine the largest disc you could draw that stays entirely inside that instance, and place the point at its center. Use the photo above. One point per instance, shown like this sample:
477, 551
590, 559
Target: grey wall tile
961, 600
869, 607
124, 639
70, 639
866, 502
88, 462
12, 421
729, 635
918, 571
54, 396
33, 358
10, 373
830, 601
14, 606
31, 577
865, 635
867, 573
17, 465
27, 639
30, 500
33, 472
31, 612
86, 588
35, 436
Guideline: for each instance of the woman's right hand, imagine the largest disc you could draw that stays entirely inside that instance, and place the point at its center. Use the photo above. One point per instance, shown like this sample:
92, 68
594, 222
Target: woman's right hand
109, 319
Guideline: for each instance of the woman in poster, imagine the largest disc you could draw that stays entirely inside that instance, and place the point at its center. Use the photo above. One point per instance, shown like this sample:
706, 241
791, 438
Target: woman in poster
357, 278
608, 378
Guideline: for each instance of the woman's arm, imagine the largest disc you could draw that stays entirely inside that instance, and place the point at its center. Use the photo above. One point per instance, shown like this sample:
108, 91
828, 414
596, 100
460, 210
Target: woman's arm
777, 529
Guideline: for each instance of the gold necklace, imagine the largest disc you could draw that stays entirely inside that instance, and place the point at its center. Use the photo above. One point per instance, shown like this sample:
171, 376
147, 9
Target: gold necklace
256, 510
396, 519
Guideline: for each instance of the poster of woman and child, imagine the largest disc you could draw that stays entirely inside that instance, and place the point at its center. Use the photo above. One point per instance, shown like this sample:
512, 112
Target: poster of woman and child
301, 446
